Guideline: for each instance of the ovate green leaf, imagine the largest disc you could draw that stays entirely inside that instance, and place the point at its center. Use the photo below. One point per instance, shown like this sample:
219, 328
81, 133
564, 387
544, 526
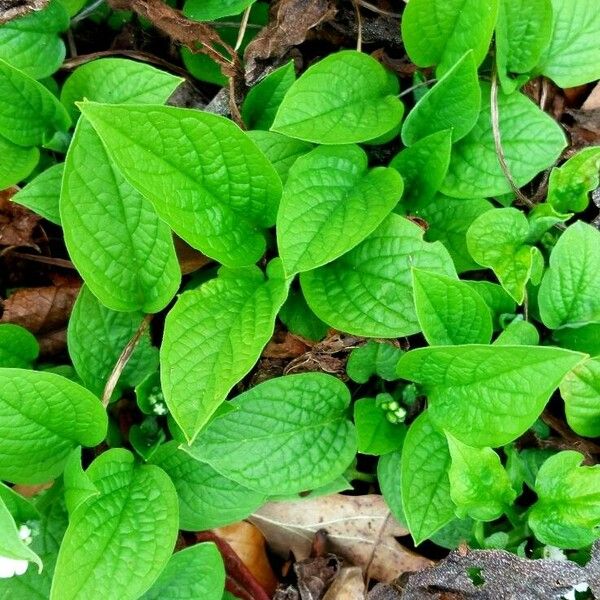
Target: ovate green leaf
479, 485
497, 239
581, 392
448, 220
423, 167
424, 476
449, 311
571, 183
389, 480
567, 513
118, 542
207, 499
487, 395
213, 337
368, 291
120, 246
117, 81
439, 32
347, 97
195, 572
98, 335
42, 418
263, 100
519, 333
452, 103
17, 162
286, 435
31, 43
573, 57
300, 320
570, 290
209, 10
42, 194
585, 338
18, 347
374, 358
376, 434
29, 112
498, 301
531, 140
206, 179
331, 202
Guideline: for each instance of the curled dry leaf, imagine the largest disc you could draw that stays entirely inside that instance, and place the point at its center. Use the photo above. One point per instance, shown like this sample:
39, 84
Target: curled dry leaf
349, 585
249, 544
359, 528
285, 345
17, 223
293, 20
13, 9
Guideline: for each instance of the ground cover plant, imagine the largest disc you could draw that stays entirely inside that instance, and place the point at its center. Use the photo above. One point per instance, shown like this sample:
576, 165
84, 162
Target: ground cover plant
320, 262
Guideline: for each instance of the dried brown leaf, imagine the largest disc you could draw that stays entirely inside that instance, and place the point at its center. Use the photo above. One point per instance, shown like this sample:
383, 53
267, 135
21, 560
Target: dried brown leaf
189, 258
349, 585
593, 99
13, 9
249, 544
293, 19
359, 528
285, 345
17, 223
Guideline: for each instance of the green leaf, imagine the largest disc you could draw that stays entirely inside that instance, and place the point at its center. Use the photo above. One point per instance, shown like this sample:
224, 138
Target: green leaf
573, 57
18, 347
43, 417
29, 112
585, 338
571, 183
42, 194
498, 301
31, 43
496, 239
195, 572
452, 103
424, 476
581, 392
368, 291
288, 434
213, 337
523, 31
296, 315
78, 485
542, 218
134, 526
423, 167
207, 499
519, 333
281, 150
11, 544
50, 530
479, 485
117, 81
263, 100
328, 191
375, 433
531, 140
567, 513
118, 243
449, 311
17, 162
206, 179
209, 10
570, 291
487, 395
448, 221
390, 484
21, 509
315, 110
374, 358
439, 32
97, 336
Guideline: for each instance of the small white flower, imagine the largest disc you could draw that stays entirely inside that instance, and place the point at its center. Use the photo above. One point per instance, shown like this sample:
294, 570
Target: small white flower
580, 587
553, 553
159, 409
10, 567
25, 534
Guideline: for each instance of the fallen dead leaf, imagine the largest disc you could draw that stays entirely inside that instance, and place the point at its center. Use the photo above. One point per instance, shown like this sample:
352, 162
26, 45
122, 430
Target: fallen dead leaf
359, 529
593, 100
290, 26
13, 9
249, 544
17, 223
285, 345
190, 259
349, 585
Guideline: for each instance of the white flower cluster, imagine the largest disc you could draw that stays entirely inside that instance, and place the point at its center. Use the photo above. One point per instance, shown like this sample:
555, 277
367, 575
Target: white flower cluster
156, 400
12, 566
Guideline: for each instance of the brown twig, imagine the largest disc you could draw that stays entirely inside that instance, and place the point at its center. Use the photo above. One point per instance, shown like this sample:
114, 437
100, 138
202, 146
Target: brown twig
57, 262
122, 361
498, 143
571, 440
237, 571
359, 25
379, 11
